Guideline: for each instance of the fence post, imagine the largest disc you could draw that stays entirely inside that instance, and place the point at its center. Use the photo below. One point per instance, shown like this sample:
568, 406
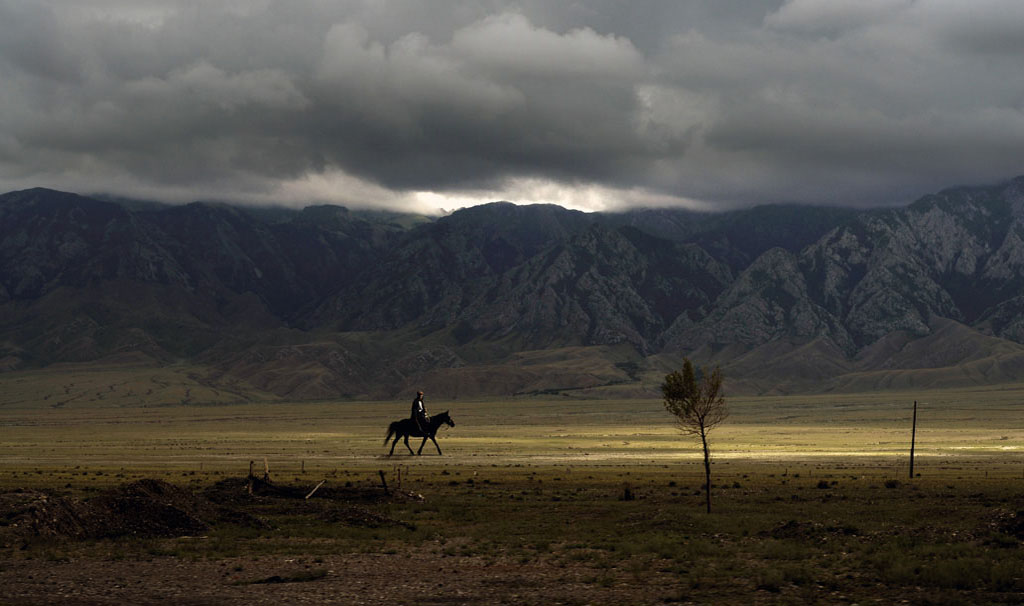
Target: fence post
913, 438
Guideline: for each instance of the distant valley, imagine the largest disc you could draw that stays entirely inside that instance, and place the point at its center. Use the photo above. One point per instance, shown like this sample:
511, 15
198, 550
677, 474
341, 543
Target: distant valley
499, 299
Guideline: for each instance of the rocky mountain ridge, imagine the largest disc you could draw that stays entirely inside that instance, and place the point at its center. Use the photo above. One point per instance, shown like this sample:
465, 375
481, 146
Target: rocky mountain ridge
326, 302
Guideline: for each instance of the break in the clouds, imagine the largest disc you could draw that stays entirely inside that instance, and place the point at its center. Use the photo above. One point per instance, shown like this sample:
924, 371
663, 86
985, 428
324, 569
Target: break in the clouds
593, 104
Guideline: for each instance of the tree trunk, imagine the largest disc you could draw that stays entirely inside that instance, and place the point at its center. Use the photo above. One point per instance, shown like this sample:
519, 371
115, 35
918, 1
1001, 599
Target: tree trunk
707, 470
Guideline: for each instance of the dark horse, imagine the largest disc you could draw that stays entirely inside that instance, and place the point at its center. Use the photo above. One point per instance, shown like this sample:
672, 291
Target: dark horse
407, 428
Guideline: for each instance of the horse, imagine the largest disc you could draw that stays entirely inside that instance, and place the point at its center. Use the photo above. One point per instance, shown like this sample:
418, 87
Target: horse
407, 428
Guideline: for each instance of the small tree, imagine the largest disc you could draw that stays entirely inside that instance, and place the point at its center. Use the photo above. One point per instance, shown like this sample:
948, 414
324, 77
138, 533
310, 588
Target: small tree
698, 405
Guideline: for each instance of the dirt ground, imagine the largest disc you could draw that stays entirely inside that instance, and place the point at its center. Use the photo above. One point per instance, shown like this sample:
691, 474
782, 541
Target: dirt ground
77, 555
417, 577
245, 541
130, 545
78, 558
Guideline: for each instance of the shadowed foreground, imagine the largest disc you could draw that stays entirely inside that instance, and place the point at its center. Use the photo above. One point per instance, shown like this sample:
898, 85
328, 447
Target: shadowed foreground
542, 535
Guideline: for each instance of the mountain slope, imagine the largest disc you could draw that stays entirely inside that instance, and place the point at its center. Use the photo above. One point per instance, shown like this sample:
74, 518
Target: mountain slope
326, 302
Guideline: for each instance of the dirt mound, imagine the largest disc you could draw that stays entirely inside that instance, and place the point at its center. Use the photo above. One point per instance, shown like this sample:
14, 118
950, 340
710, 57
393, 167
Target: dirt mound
141, 516
154, 508
41, 514
157, 490
149, 508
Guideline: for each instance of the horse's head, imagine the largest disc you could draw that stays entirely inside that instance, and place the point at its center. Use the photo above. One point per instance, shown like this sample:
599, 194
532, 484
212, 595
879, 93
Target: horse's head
445, 418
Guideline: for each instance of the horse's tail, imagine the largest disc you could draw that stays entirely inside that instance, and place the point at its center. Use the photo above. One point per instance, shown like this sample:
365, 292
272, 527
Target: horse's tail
391, 432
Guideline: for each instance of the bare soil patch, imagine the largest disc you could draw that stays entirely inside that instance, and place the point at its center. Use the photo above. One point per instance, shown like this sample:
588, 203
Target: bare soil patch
152, 508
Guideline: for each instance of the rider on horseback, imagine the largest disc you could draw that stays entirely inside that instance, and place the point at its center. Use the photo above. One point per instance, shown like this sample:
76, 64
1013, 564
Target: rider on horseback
419, 413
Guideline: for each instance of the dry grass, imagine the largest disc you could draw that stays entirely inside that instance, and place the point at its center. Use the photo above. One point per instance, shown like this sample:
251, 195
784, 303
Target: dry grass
812, 500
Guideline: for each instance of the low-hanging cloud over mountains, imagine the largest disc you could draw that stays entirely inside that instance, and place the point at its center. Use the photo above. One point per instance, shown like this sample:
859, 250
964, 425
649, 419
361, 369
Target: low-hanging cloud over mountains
593, 104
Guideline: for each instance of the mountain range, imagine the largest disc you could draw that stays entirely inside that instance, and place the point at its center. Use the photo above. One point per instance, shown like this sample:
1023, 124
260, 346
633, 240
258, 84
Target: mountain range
500, 299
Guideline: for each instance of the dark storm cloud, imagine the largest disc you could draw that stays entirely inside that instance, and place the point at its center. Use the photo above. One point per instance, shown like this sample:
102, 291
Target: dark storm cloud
592, 103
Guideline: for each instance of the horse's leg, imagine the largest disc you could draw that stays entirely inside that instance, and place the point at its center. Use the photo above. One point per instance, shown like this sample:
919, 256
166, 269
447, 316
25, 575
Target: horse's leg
393, 443
407, 444
435, 444
422, 444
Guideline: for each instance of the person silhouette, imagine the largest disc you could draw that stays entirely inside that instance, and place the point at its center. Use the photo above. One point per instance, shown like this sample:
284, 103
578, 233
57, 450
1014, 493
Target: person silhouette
419, 413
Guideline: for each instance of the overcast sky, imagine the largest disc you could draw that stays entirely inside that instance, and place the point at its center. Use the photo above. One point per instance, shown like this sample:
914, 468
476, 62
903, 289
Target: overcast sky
593, 104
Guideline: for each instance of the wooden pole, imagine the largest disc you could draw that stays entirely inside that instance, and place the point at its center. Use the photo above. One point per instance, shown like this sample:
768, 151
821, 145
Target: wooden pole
383, 482
315, 488
913, 438
266, 470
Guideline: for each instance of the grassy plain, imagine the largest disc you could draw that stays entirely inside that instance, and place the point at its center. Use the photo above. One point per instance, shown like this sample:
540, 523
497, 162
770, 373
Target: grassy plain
550, 500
